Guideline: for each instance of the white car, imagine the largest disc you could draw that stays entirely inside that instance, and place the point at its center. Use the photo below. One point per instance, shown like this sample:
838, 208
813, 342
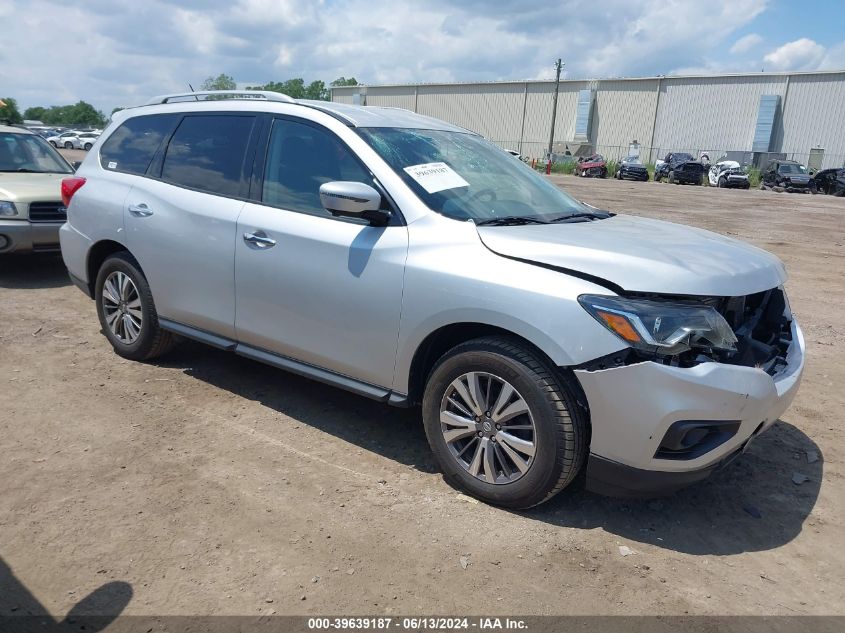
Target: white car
67, 140
87, 140
728, 173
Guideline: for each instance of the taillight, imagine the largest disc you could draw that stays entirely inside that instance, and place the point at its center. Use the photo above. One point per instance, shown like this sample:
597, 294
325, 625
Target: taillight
69, 187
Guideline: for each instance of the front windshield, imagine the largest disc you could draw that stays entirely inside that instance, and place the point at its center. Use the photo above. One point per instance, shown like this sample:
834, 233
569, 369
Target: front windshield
30, 153
463, 176
792, 169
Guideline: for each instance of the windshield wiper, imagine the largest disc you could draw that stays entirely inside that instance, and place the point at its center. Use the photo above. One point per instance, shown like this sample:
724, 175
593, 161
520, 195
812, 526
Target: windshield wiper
583, 217
510, 220
22, 170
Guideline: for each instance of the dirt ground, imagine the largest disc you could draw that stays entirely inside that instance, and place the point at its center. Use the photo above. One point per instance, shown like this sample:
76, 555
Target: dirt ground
211, 484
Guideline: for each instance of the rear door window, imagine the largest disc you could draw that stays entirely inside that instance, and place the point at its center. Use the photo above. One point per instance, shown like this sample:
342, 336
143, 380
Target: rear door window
208, 153
132, 146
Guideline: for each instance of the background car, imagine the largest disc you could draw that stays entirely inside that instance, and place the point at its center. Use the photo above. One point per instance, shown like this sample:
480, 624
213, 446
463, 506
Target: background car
31, 207
728, 173
631, 169
87, 139
68, 140
829, 181
593, 166
789, 175
679, 168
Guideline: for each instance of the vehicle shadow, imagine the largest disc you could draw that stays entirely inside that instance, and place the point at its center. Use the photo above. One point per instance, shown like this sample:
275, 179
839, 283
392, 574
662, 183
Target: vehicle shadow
395, 433
21, 611
751, 505
38, 270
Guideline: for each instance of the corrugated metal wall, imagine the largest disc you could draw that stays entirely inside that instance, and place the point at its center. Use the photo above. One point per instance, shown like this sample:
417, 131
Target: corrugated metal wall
695, 114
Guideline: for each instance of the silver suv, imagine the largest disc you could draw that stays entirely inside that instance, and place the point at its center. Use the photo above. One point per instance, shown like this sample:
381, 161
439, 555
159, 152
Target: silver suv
411, 261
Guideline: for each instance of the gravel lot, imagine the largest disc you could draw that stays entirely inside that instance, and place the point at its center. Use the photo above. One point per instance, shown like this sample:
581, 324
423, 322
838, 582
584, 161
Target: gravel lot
215, 485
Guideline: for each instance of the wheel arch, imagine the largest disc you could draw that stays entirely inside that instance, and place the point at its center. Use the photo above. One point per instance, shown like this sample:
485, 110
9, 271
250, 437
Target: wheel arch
446, 337
97, 255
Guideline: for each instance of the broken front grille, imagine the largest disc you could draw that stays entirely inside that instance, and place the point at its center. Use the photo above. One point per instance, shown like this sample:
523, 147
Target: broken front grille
763, 328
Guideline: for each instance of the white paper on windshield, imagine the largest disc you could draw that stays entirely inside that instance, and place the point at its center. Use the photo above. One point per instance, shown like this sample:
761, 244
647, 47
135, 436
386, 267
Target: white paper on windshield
434, 177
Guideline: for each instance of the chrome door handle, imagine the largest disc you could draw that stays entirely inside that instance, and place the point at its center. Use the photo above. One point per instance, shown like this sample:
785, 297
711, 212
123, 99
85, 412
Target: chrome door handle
140, 210
259, 239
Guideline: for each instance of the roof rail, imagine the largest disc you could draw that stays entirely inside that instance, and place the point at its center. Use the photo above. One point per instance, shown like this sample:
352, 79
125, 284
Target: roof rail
214, 95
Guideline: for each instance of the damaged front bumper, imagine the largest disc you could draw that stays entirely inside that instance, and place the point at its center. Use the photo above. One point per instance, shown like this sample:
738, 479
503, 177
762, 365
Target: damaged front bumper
657, 428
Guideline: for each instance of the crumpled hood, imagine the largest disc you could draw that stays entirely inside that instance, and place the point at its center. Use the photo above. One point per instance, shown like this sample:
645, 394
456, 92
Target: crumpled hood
797, 178
23, 187
643, 255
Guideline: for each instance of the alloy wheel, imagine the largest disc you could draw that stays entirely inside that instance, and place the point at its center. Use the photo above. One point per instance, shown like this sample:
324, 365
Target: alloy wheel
488, 427
122, 307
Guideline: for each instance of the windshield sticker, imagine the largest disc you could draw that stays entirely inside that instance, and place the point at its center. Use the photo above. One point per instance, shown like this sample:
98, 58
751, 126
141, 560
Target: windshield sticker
112, 165
434, 177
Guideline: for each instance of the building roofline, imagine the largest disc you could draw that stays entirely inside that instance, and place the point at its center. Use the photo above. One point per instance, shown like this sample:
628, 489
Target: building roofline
505, 82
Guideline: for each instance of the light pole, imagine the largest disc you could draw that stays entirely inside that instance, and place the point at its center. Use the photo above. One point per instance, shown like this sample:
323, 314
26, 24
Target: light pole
558, 67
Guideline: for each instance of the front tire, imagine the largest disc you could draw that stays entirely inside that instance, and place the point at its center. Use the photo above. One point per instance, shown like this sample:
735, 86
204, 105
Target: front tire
671, 180
88, 146
504, 427
127, 312
68, 145
722, 183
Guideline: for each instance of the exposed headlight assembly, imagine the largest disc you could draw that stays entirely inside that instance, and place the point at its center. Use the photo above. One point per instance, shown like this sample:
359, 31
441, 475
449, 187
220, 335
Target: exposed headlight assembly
661, 327
7, 209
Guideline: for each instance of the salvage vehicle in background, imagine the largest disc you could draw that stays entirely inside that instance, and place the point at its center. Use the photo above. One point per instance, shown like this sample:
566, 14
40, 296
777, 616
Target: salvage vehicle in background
87, 139
31, 208
829, 181
67, 140
788, 175
593, 166
414, 262
728, 173
631, 169
679, 168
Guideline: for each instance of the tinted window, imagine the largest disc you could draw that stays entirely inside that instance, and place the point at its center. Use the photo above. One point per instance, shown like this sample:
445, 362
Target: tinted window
208, 153
29, 153
132, 146
300, 158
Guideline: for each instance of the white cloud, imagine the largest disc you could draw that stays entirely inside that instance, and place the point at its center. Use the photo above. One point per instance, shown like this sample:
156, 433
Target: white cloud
746, 43
802, 54
124, 50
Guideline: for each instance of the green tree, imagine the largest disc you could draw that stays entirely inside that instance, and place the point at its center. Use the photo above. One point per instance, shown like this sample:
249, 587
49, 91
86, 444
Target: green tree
343, 81
9, 111
35, 113
317, 90
296, 88
221, 82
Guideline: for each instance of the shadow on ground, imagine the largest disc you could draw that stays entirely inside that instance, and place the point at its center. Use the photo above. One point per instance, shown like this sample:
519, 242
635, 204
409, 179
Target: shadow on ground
751, 505
395, 433
20, 610
38, 270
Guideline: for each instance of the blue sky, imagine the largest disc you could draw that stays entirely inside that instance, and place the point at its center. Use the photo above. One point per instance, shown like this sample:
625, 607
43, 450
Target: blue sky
120, 52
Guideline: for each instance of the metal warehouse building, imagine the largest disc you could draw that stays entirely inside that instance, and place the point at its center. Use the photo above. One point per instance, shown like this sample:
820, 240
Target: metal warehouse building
747, 117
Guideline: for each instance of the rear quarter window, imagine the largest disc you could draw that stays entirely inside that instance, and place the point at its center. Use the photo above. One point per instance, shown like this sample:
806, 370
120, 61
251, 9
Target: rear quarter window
208, 153
133, 145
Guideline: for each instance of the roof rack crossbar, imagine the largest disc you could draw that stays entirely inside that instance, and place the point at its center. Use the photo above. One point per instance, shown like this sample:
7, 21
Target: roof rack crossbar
227, 94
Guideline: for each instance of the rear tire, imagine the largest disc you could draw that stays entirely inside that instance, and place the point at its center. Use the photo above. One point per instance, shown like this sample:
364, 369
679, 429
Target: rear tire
671, 180
722, 183
127, 312
88, 146
558, 427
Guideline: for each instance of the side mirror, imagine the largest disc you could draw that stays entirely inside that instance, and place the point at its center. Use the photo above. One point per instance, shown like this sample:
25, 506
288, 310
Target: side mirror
76, 164
353, 200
